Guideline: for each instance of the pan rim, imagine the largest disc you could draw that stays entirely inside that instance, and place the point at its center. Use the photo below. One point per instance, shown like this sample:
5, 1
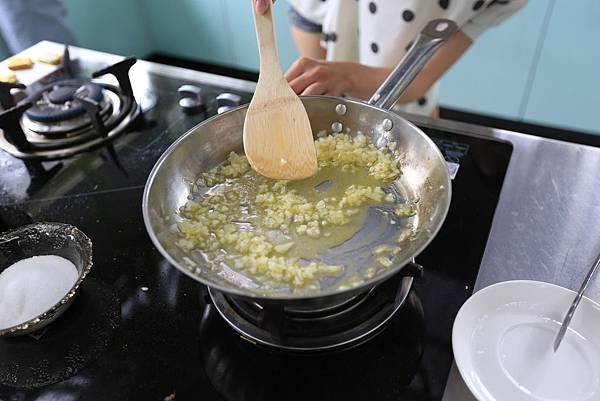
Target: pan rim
239, 291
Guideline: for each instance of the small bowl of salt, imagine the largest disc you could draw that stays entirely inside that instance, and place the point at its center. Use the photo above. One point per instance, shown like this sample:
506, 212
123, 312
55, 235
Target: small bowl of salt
41, 267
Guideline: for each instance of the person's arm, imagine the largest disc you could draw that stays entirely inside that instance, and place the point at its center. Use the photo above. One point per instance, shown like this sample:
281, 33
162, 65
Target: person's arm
23, 23
309, 76
308, 43
437, 66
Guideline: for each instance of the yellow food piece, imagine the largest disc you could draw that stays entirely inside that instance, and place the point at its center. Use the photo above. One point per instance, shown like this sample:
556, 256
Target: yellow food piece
405, 210
395, 250
232, 223
50, 58
19, 63
8, 76
280, 206
383, 261
235, 167
404, 235
337, 150
370, 272
385, 254
381, 249
351, 282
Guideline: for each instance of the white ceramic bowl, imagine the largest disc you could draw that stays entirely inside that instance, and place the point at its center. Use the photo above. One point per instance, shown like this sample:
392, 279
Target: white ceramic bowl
503, 336
46, 239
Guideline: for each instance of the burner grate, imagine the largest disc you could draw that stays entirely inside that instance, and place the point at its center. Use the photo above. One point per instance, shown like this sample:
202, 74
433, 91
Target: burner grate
68, 116
295, 328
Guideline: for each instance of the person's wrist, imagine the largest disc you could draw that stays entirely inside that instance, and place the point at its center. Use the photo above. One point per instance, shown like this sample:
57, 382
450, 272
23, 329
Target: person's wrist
373, 78
352, 76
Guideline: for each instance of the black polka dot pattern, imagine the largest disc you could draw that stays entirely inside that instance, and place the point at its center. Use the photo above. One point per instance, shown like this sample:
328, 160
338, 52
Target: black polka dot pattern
374, 47
422, 101
372, 7
444, 4
502, 2
478, 4
408, 15
329, 37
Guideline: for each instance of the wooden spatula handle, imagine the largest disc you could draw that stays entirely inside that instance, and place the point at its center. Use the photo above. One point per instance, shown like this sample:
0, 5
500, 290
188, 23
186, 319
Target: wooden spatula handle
265, 35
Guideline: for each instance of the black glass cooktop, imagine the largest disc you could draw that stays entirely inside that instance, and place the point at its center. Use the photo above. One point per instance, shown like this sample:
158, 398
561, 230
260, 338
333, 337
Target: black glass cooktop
140, 330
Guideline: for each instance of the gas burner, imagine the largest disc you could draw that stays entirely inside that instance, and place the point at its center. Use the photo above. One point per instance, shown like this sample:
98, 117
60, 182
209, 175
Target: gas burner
69, 115
342, 323
379, 369
56, 103
57, 111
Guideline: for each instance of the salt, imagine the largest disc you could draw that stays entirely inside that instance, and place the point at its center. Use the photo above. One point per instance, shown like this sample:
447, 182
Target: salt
32, 286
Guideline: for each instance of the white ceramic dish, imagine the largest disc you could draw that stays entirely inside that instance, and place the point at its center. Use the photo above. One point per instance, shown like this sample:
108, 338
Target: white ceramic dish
502, 340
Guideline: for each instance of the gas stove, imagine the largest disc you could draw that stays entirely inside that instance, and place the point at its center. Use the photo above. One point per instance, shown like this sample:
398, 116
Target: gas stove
65, 113
142, 330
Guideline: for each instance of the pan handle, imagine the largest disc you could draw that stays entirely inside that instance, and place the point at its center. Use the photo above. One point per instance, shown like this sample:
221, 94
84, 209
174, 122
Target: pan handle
435, 33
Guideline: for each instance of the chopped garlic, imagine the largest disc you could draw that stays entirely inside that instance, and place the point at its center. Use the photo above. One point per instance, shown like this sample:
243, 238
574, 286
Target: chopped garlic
385, 262
216, 224
403, 236
405, 210
381, 249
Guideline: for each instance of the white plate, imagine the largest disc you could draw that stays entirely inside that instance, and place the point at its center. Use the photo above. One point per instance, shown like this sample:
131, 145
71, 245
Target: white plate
503, 336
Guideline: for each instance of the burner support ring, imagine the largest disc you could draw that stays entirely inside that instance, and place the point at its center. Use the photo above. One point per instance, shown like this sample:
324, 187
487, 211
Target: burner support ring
273, 326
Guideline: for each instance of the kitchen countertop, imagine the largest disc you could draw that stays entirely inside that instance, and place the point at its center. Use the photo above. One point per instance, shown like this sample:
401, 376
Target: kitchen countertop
545, 222
547, 209
544, 227
549, 198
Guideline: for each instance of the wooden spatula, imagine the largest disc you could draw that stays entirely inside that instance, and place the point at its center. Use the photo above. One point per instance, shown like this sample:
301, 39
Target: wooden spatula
278, 139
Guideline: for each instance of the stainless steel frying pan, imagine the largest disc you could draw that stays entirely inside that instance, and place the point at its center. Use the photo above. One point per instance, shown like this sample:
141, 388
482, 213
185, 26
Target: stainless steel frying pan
424, 180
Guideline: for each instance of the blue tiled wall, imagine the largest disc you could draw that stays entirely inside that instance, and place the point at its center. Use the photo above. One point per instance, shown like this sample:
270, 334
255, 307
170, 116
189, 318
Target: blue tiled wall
244, 39
192, 29
491, 78
114, 26
565, 88
215, 31
540, 66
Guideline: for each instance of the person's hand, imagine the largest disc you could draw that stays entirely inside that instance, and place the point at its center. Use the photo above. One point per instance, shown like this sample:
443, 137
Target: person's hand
309, 76
262, 5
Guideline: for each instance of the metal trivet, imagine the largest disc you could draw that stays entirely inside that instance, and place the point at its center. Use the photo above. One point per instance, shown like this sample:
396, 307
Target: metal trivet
287, 328
67, 116
379, 369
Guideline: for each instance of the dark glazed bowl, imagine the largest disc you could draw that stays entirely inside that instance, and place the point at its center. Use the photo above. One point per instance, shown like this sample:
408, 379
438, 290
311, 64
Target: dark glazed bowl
46, 239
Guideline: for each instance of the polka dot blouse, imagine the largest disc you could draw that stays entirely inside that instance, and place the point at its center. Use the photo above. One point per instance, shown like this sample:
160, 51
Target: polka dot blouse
379, 32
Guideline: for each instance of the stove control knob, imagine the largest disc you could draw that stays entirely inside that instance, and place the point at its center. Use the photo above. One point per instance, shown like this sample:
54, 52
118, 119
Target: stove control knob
227, 101
190, 99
